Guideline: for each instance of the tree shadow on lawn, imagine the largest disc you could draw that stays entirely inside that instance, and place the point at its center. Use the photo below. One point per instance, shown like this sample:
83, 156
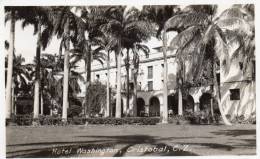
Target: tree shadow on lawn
235, 133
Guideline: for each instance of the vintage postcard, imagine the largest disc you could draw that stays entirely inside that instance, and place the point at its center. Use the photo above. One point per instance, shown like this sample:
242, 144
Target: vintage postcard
115, 79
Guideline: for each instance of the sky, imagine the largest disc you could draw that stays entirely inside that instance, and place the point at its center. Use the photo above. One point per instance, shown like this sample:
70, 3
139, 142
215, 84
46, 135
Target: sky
25, 41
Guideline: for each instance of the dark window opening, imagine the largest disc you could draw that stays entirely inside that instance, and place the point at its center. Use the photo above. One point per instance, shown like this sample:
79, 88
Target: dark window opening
241, 65
253, 70
218, 78
150, 72
150, 85
234, 94
131, 85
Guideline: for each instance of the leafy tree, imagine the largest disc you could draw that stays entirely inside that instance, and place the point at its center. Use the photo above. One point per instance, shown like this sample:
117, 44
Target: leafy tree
97, 96
21, 78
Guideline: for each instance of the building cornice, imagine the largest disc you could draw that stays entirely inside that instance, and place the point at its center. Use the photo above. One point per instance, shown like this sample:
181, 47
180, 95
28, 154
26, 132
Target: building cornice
143, 61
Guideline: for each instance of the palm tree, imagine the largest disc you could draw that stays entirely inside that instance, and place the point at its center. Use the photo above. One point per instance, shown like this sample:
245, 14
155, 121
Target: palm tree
39, 19
238, 24
201, 38
159, 15
103, 42
71, 29
121, 26
21, 77
86, 52
136, 61
48, 88
10, 12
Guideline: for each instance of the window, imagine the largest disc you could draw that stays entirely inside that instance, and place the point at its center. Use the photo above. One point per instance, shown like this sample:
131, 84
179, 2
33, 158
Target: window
98, 77
234, 94
253, 70
218, 78
150, 72
150, 85
241, 65
162, 65
131, 86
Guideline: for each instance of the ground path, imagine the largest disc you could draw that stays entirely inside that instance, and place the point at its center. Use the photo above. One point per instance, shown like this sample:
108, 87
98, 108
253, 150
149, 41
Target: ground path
130, 140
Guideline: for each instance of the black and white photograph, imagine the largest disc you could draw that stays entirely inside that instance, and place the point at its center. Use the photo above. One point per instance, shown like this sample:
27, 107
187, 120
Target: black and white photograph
129, 79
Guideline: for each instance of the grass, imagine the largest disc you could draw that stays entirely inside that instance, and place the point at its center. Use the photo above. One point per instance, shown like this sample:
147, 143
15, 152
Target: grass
130, 140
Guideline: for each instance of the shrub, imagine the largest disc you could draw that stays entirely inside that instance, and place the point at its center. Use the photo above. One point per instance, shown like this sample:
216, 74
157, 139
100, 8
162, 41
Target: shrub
122, 121
23, 120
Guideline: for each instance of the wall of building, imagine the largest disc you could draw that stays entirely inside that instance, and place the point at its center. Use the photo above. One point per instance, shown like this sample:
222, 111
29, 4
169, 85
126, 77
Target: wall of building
231, 77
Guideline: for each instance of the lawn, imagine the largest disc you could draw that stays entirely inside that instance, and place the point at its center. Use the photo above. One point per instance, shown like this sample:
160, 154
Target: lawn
130, 140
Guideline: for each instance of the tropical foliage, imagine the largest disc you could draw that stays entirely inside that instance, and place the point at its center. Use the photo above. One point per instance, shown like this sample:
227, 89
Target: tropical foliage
203, 43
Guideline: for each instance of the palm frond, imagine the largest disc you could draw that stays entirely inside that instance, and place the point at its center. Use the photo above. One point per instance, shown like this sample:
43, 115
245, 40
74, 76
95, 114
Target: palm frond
183, 21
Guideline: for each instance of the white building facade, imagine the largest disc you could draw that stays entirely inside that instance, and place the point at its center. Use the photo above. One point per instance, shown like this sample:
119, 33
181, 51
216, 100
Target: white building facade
237, 87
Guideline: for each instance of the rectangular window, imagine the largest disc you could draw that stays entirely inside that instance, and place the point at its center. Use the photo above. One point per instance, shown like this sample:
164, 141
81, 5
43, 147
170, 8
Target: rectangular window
218, 78
150, 85
234, 94
131, 86
150, 72
253, 70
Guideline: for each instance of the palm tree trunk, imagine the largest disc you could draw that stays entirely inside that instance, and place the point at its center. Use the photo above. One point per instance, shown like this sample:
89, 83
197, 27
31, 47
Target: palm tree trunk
8, 97
13, 95
127, 78
165, 89
41, 104
108, 86
218, 95
118, 89
212, 102
180, 83
180, 104
212, 90
88, 78
135, 97
36, 103
66, 75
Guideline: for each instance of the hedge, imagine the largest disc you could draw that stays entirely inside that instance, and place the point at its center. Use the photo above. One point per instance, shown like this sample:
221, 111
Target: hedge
26, 120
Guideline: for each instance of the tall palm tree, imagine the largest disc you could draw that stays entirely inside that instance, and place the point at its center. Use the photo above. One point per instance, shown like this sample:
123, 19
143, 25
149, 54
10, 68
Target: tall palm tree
136, 61
121, 26
201, 36
71, 29
86, 52
103, 42
159, 15
39, 20
10, 13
